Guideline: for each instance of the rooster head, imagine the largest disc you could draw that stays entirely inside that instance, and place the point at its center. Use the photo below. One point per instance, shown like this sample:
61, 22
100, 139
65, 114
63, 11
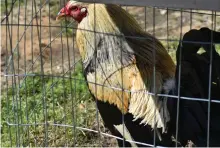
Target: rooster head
73, 9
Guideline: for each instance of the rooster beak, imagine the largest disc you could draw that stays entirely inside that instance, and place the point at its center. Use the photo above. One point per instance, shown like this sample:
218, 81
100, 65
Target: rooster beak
60, 15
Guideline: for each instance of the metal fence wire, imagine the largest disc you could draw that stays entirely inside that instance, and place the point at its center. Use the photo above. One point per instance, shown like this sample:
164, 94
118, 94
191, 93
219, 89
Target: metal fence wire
45, 100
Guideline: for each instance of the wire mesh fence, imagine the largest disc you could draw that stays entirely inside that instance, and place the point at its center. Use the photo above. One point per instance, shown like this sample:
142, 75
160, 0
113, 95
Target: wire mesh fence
45, 99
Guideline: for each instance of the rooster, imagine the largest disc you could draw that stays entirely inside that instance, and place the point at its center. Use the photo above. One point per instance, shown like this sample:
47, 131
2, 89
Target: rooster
121, 65
118, 64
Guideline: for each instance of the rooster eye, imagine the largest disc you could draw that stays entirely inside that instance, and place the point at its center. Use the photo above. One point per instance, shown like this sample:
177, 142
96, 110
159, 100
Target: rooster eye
74, 8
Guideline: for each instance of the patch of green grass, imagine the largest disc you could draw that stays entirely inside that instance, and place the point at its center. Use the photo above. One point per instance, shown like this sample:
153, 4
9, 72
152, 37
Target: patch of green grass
70, 29
9, 4
62, 101
171, 47
217, 47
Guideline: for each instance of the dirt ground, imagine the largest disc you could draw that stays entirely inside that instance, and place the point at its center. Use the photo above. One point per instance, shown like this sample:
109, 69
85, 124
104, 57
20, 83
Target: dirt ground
39, 43
35, 41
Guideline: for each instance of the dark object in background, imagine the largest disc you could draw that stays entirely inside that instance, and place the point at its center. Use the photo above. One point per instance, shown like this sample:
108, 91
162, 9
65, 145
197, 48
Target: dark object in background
193, 115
